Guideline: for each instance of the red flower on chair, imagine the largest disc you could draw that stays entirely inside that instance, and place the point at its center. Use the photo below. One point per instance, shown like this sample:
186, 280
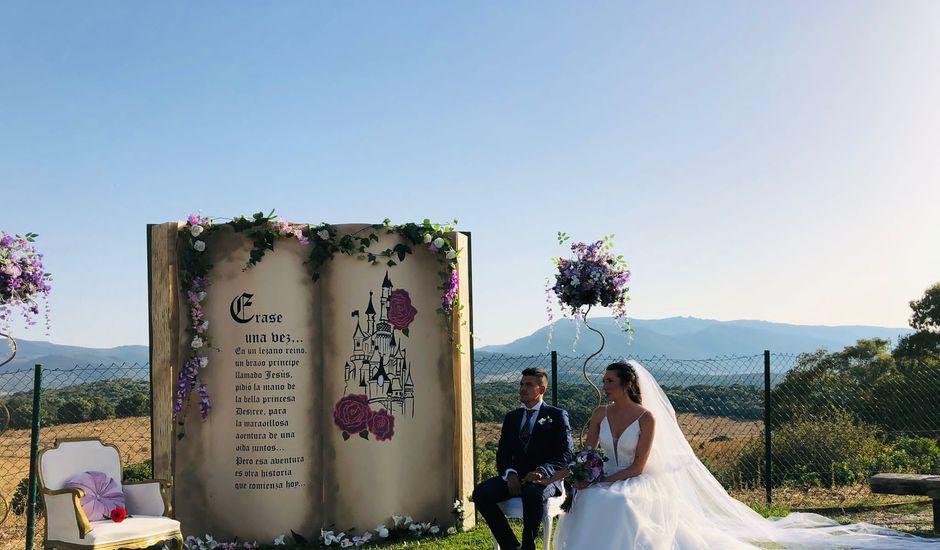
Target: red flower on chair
118, 514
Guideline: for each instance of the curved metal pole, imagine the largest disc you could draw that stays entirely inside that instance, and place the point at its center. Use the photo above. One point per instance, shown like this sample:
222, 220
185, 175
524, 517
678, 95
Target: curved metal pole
600, 396
12, 347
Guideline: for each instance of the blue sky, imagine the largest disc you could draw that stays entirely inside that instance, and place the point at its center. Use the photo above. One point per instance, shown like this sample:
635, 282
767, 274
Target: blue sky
772, 161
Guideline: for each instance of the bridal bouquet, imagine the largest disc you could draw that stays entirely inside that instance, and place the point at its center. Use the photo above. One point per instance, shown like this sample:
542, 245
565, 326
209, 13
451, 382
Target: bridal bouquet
588, 465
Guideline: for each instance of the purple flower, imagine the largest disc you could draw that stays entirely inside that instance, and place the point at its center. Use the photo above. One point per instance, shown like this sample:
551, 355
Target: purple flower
594, 277
23, 281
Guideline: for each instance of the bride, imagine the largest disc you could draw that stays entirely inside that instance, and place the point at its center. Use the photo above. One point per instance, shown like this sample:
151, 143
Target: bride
657, 495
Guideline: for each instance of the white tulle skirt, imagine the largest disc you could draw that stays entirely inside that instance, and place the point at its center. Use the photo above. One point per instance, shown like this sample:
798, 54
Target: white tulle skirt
649, 512
639, 513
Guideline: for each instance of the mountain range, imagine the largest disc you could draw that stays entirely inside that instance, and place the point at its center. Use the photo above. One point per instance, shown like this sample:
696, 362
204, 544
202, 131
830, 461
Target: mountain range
60, 357
691, 338
673, 337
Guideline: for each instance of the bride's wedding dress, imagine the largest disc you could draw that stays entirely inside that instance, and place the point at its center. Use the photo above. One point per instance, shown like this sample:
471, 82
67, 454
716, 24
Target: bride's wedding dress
676, 504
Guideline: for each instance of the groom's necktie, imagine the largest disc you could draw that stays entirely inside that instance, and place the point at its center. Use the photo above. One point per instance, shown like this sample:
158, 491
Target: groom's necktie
526, 430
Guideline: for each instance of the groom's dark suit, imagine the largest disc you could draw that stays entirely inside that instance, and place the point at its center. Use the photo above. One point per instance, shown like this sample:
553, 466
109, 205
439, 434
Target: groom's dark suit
548, 448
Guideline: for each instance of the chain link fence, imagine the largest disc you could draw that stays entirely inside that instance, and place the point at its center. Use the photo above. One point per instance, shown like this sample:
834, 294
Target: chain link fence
108, 402
832, 425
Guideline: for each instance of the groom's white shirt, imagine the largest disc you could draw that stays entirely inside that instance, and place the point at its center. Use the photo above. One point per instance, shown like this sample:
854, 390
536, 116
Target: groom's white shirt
535, 414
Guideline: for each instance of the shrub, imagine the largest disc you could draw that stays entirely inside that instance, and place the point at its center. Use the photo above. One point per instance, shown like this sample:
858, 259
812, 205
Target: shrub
141, 471
100, 409
20, 499
831, 452
911, 455
137, 404
486, 461
76, 409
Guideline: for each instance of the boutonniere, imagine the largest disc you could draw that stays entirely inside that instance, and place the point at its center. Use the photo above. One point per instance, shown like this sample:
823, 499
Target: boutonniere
545, 420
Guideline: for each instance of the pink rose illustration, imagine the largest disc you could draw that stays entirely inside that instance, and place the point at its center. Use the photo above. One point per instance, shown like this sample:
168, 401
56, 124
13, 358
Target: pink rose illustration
352, 413
400, 311
382, 425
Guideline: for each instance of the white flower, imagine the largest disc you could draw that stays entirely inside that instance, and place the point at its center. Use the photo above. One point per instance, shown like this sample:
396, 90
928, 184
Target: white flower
427, 238
197, 342
280, 541
203, 361
323, 234
452, 530
408, 519
457, 504
382, 531
434, 530
396, 520
451, 254
346, 543
199, 246
438, 243
202, 295
196, 230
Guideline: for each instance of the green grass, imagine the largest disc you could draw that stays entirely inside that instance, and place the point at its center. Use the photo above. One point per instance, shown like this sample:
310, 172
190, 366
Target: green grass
479, 538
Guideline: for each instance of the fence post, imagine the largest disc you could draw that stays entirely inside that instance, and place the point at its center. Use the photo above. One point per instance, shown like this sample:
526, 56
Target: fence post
33, 452
768, 463
554, 378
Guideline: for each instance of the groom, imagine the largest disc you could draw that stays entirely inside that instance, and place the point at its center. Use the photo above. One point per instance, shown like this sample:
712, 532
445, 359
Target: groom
535, 442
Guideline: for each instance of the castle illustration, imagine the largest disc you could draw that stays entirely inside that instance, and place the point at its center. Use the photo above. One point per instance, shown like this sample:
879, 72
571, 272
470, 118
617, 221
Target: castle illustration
379, 366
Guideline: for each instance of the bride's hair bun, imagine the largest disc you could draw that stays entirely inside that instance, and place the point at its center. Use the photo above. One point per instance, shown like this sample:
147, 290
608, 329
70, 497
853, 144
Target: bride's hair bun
627, 375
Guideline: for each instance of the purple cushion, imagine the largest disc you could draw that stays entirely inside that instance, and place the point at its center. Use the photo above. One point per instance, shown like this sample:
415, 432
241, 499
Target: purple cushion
102, 494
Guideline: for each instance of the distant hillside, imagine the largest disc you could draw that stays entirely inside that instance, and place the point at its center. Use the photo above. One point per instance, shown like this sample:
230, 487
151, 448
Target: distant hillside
692, 338
18, 374
55, 356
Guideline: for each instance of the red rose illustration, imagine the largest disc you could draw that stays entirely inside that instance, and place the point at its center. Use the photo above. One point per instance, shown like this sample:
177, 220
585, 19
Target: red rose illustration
382, 425
118, 514
400, 311
352, 413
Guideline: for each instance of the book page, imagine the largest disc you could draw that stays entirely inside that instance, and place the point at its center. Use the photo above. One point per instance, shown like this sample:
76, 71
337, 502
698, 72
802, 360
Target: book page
252, 470
386, 353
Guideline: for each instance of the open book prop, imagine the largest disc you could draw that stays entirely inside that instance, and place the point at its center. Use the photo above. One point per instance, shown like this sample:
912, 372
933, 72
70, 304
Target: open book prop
335, 402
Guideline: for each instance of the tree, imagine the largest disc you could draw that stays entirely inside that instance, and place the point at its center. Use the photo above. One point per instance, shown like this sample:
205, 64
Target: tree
824, 382
925, 319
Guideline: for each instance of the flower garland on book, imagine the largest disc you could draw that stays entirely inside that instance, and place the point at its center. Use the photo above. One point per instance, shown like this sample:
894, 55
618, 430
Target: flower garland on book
325, 242
399, 528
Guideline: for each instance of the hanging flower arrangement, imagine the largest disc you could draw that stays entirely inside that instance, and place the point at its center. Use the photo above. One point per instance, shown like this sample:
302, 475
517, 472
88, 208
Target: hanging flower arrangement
24, 283
594, 276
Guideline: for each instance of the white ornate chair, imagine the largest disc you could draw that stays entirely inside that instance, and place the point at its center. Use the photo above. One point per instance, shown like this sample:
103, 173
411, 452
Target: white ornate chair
513, 509
68, 527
